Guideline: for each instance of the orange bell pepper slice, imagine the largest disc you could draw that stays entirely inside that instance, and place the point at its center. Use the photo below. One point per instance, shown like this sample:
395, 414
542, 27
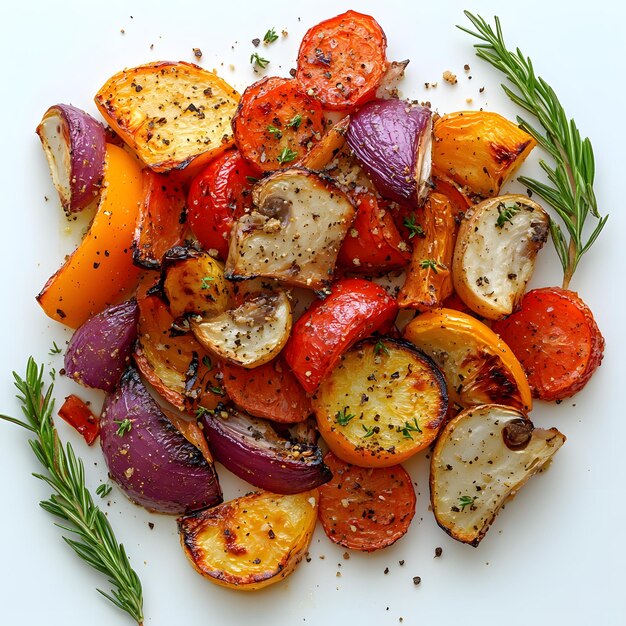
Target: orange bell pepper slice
100, 271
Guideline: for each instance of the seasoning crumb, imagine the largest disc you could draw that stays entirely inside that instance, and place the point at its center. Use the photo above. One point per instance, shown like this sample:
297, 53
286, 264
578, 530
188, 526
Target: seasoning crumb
255, 42
466, 67
438, 552
151, 46
338, 574
197, 53
386, 570
481, 90
151, 525
292, 72
322, 557
122, 31
346, 555
401, 561
449, 77
469, 100
417, 580
284, 32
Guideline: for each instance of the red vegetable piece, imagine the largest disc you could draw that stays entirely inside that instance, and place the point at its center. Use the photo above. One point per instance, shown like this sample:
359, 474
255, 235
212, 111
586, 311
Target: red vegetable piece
373, 243
218, 195
276, 123
556, 339
270, 391
79, 416
366, 508
342, 60
159, 224
354, 309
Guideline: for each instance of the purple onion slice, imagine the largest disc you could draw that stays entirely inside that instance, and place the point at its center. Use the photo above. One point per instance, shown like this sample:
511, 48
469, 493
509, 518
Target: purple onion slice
74, 143
392, 141
148, 458
250, 448
100, 349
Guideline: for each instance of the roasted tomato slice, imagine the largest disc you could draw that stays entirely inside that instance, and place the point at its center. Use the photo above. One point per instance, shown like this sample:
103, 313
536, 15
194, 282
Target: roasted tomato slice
218, 195
277, 123
557, 341
78, 415
354, 309
373, 243
479, 367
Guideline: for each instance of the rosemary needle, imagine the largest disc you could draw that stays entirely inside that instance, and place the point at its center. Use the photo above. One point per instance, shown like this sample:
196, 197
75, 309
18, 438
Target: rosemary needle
94, 540
571, 190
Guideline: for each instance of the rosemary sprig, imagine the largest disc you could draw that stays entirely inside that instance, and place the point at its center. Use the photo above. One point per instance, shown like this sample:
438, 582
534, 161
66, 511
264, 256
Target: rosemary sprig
71, 501
570, 191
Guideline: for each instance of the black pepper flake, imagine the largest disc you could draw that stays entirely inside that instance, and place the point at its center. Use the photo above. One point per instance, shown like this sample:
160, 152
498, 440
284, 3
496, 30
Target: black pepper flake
417, 580
271, 534
255, 42
197, 53
401, 561
438, 552
151, 525
386, 570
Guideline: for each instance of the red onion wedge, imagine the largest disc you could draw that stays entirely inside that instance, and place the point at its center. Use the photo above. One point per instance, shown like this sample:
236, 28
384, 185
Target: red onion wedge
153, 463
100, 349
250, 448
74, 144
392, 141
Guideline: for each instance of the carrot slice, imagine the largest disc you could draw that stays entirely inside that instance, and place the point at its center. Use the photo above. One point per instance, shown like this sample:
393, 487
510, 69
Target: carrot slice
365, 509
342, 60
276, 123
271, 391
556, 339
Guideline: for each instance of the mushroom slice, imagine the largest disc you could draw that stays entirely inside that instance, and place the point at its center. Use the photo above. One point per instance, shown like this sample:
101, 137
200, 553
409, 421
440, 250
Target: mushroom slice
495, 252
482, 457
293, 233
250, 335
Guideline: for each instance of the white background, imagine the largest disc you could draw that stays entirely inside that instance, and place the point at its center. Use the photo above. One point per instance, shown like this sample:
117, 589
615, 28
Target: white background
555, 555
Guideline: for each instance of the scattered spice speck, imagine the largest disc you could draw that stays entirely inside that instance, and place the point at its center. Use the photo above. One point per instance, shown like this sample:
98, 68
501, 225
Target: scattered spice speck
450, 78
417, 580
438, 552
197, 53
386, 570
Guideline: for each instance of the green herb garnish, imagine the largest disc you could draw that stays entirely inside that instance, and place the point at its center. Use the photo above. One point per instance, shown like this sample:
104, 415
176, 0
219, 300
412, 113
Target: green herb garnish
216, 390
412, 226
368, 431
270, 36
505, 213
206, 281
71, 501
287, 155
409, 428
343, 417
124, 426
429, 264
466, 501
55, 349
103, 490
206, 361
380, 347
259, 61
295, 121
276, 132
570, 188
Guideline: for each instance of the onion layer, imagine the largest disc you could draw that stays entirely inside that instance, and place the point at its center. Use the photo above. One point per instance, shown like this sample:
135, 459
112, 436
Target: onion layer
251, 449
99, 350
392, 140
74, 143
149, 459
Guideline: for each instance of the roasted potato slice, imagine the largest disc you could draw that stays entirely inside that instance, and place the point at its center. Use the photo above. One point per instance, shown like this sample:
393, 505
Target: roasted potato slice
323, 152
250, 542
383, 402
482, 457
170, 114
293, 233
479, 367
193, 282
495, 251
479, 150
250, 335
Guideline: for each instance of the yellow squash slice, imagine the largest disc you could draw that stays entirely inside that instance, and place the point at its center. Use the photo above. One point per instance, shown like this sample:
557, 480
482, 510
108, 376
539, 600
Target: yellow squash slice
250, 542
170, 114
478, 366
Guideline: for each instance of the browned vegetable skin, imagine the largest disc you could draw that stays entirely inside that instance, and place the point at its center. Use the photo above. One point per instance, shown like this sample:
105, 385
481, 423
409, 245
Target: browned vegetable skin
250, 542
170, 114
293, 233
483, 457
495, 253
323, 152
479, 150
428, 279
